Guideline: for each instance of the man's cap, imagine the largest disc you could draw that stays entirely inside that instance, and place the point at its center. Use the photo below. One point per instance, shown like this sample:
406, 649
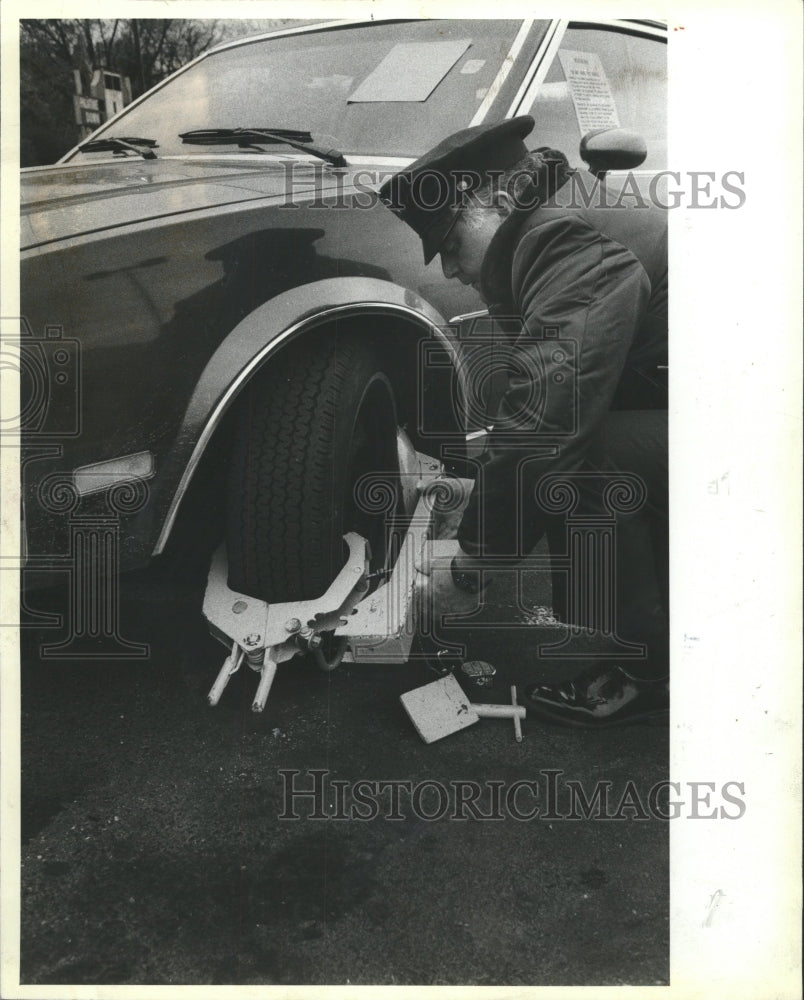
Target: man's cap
428, 193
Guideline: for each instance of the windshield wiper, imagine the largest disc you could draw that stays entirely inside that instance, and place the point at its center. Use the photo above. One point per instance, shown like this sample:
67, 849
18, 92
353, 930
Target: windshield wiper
247, 138
123, 144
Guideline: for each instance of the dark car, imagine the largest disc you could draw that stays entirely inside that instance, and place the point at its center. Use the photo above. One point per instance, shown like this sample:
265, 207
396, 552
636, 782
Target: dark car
219, 315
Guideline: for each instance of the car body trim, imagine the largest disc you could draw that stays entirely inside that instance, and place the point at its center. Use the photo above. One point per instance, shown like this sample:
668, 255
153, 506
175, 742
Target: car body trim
541, 64
648, 28
502, 74
253, 158
434, 322
477, 314
100, 476
545, 50
298, 29
386, 161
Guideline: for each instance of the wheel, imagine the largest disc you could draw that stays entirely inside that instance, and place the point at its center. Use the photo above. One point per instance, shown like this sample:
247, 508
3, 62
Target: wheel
310, 428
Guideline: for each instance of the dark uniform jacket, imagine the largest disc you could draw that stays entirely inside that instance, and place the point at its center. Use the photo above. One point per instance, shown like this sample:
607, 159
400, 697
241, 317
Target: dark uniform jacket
587, 291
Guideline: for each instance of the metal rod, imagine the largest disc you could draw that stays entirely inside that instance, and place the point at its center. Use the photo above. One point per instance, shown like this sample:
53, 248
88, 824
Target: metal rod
499, 711
517, 722
266, 680
230, 666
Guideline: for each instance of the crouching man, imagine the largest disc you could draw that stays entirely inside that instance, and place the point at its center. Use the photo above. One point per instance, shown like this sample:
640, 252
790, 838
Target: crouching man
594, 277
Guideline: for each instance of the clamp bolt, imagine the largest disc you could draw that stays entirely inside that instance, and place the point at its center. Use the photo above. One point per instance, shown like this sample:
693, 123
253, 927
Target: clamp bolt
252, 639
309, 638
292, 625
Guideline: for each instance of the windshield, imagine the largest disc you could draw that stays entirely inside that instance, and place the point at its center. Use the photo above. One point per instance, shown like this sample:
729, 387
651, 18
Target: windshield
393, 89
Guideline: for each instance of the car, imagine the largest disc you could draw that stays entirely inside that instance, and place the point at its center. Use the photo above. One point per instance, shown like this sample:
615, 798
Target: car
222, 325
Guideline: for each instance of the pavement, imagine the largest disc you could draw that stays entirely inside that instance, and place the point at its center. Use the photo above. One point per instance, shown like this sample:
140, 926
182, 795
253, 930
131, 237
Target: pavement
157, 845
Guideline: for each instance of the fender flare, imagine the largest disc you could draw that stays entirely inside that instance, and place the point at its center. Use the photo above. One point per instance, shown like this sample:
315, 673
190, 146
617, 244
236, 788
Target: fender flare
255, 339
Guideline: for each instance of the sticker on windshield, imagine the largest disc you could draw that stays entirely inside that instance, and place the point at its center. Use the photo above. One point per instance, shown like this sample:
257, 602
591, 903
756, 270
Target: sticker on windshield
589, 87
410, 72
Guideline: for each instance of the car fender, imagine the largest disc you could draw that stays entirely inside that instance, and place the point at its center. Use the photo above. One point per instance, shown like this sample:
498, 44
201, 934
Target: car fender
254, 341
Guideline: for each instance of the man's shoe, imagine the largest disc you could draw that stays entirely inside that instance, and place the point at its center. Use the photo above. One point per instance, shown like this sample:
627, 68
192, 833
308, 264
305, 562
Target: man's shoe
601, 697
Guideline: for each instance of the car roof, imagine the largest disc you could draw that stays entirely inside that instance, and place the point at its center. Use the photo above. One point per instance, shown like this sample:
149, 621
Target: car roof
309, 27
305, 27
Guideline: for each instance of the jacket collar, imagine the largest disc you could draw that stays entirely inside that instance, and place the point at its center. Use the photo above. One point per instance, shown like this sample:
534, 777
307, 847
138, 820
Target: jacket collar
495, 272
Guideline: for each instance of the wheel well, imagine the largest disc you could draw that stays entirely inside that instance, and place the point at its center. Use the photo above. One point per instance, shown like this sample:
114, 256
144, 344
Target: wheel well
422, 389
424, 410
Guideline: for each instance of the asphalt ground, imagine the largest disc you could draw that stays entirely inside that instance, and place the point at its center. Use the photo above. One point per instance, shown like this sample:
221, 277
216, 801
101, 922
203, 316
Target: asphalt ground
154, 848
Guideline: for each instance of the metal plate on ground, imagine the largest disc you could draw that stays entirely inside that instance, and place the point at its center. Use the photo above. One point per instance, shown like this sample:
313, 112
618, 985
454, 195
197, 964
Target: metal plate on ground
439, 708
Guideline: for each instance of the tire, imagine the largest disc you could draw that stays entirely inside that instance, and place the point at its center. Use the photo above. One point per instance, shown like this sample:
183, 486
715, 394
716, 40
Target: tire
319, 419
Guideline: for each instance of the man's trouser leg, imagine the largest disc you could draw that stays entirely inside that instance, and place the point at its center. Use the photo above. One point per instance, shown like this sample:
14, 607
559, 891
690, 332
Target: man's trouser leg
634, 442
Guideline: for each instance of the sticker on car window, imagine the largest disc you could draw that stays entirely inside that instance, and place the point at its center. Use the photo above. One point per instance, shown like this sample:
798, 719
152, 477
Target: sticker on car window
410, 72
589, 87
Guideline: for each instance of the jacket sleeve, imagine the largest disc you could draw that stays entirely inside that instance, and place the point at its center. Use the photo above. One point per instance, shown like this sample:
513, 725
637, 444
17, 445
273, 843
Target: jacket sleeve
581, 298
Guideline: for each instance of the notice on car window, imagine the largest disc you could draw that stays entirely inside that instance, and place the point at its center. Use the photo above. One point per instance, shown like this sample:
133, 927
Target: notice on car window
590, 90
410, 72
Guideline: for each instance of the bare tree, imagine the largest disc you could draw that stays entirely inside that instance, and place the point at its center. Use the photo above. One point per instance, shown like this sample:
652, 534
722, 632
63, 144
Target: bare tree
144, 50
49, 52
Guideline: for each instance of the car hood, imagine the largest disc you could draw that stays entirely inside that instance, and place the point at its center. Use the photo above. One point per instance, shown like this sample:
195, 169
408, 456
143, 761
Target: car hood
60, 202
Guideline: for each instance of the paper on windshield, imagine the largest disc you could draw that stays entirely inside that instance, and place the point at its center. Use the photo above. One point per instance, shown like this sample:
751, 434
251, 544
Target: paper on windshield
589, 87
410, 72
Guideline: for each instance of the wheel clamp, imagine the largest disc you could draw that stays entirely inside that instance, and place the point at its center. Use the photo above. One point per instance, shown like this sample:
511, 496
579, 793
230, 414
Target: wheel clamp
358, 624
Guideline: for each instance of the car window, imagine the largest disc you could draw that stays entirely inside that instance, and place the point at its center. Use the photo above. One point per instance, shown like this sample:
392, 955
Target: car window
338, 84
600, 78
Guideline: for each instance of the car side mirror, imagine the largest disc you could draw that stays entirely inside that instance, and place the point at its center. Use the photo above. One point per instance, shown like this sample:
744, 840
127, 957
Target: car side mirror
605, 149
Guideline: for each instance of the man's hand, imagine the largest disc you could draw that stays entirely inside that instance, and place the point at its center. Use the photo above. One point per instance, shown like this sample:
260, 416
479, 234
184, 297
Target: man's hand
441, 594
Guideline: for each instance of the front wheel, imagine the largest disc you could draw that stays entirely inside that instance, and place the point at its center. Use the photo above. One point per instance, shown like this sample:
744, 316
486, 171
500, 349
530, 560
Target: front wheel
315, 456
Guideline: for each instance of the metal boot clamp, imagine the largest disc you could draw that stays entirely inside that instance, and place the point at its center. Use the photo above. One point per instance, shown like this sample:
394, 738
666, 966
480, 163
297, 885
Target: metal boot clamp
264, 635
